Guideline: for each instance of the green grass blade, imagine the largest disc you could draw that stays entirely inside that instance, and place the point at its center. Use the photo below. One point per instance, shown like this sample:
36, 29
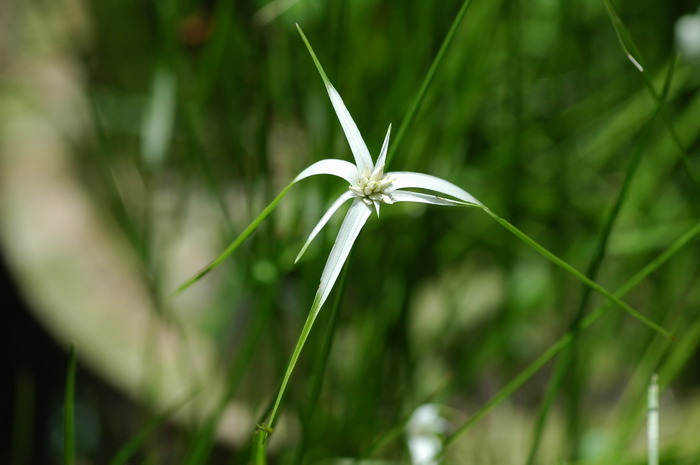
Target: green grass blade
250, 229
205, 439
660, 357
565, 340
69, 411
323, 74
418, 101
306, 330
573, 271
565, 362
133, 445
553, 388
260, 440
634, 55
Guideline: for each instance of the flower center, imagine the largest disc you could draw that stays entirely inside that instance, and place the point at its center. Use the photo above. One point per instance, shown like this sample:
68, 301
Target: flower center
371, 187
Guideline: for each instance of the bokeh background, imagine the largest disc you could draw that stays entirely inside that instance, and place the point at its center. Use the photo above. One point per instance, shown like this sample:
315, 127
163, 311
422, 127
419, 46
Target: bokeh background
137, 139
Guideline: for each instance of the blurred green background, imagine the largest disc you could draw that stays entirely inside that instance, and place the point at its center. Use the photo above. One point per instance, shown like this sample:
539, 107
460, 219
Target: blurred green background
137, 139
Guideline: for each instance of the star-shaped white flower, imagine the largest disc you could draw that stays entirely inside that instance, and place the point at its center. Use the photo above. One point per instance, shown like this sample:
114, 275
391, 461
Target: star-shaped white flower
368, 187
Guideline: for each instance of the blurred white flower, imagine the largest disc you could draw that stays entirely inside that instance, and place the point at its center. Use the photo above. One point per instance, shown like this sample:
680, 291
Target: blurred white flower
424, 429
688, 36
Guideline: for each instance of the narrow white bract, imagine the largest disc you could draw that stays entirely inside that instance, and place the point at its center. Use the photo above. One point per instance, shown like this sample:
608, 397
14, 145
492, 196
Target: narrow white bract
369, 187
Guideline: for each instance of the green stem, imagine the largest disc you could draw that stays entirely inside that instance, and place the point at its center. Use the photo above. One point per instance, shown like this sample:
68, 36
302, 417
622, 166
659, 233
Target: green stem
259, 448
634, 55
132, 446
306, 330
415, 106
266, 429
319, 371
573, 271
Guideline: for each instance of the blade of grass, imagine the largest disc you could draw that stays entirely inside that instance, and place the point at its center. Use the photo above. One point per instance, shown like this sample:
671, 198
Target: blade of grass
133, 445
306, 330
418, 101
69, 411
634, 55
553, 388
664, 359
204, 442
236, 242
569, 362
214, 53
573, 271
195, 154
565, 340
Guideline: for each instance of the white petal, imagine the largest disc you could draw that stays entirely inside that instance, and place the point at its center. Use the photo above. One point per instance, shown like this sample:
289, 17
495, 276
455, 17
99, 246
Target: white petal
357, 145
352, 134
405, 196
403, 179
341, 168
352, 225
324, 219
381, 160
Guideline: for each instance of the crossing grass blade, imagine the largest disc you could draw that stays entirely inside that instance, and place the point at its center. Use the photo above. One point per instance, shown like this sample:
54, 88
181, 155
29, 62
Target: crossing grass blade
69, 411
137, 440
564, 363
573, 271
250, 229
427, 81
634, 55
200, 450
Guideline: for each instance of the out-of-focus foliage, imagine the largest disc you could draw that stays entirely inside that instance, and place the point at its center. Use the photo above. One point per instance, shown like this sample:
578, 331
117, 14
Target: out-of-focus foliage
195, 114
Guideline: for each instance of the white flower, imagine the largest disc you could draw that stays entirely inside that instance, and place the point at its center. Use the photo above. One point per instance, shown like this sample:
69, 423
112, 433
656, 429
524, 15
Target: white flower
368, 187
